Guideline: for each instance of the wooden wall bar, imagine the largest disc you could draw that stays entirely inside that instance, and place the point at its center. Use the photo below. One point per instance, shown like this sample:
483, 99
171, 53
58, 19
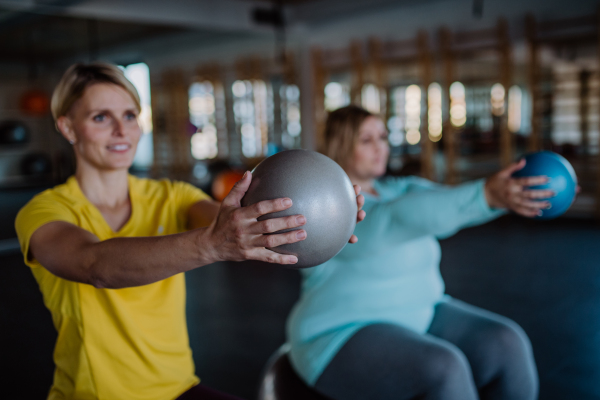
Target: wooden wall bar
449, 132
506, 73
427, 146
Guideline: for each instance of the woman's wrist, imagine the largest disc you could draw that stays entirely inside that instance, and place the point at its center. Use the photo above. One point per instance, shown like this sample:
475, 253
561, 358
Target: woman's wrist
204, 249
490, 195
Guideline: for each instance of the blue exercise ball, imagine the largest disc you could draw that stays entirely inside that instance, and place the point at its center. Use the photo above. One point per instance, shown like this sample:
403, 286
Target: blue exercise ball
563, 180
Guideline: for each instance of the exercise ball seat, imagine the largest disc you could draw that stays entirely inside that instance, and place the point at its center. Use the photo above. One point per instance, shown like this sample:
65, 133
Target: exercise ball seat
279, 381
563, 180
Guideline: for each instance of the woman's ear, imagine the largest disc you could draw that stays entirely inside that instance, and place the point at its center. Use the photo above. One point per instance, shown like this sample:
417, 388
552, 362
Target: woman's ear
65, 126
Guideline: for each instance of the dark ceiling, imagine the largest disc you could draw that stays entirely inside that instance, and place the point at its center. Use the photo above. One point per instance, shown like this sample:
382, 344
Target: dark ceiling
28, 37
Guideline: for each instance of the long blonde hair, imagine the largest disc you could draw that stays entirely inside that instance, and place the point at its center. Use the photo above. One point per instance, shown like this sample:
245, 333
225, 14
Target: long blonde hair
79, 77
341, 132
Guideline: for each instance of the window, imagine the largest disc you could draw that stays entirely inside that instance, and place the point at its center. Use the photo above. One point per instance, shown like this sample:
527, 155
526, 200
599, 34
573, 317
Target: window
202, 109
458, 106
370, 98
139, 75
434, 112
251, 116
290, 116
337, 95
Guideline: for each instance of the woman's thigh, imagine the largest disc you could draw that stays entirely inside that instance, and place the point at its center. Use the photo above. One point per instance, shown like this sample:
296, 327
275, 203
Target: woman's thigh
498, 350
386, 361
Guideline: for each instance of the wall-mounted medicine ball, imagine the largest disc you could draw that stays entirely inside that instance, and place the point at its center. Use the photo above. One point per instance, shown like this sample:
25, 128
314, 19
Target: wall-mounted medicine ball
36, 164
13, 132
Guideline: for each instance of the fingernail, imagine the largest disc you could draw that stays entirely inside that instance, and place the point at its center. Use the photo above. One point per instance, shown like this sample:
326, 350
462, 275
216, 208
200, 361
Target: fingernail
300, 220
245, 175
548, 206
540, 213
300, 235
287, 202
292, 260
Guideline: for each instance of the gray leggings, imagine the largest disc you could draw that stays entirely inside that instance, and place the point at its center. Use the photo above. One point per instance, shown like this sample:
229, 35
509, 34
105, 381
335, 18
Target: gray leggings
467, 354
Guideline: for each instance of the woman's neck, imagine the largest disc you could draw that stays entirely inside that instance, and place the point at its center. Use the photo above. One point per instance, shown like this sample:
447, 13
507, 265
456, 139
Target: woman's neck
366, 185
103, 188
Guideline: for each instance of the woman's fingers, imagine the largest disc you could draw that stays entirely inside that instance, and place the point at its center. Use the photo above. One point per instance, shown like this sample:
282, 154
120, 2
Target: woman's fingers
528, 212
360, 201
277, 224
267, 207
274, 240
531, 180
538, 194
234, 198
270, 256
532, 204
361, 215
353, 239
512, 168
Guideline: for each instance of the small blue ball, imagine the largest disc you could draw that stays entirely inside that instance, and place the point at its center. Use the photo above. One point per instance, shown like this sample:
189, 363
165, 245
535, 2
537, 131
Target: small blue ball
563, 180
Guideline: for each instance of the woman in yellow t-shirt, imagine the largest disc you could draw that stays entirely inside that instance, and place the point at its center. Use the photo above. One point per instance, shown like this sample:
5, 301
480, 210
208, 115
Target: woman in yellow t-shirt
108, 250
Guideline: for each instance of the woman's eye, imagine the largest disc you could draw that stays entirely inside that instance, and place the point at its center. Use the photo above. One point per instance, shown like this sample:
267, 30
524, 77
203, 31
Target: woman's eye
130, 116
99, 117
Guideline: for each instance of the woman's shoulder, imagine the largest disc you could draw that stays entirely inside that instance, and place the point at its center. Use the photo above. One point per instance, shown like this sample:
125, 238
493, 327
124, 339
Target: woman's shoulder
155, 188
67, 193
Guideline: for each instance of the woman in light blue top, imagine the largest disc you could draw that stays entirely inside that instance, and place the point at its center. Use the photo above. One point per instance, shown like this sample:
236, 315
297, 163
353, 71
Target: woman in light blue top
373, 322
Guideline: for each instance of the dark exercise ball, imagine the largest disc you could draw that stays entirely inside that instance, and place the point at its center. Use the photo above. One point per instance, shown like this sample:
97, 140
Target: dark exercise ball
36, 164
13, 132
563, 180
320, 190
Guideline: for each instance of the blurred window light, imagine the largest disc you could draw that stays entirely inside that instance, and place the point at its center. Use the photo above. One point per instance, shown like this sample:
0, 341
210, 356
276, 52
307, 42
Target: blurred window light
497, 94
336, 95
412, 108
139, 75
515, 96
434, 111
395, 122
251, 115
458, 107
370, 98
202, 107
290, 116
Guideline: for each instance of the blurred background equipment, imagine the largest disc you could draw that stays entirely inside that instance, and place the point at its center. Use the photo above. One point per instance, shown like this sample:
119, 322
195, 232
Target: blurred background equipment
13, 133
464, 87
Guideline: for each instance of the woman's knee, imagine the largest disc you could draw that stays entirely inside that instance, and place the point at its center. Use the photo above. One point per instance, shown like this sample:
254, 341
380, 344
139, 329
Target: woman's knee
444, 364
509, 340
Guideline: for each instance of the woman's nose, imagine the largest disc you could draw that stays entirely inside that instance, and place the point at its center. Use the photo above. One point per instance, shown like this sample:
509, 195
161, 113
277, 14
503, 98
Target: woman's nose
117, 127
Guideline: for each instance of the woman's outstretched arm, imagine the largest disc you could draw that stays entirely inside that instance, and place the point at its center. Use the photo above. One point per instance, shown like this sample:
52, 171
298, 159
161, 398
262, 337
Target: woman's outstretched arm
235, 234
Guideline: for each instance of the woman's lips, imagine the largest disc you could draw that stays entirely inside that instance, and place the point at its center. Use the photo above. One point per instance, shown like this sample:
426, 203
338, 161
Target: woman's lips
119, 147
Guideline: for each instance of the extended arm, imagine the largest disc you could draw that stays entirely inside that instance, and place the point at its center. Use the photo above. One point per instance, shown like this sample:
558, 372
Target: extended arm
235, 235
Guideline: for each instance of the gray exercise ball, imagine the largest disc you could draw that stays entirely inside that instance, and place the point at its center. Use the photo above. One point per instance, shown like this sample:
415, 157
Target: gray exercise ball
320, 190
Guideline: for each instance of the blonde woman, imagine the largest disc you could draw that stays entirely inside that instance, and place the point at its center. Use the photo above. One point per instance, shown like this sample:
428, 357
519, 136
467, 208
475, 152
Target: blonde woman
108, 250
373, 322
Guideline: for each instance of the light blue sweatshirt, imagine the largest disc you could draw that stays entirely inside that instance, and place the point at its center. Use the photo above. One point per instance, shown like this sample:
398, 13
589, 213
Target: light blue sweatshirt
391, 275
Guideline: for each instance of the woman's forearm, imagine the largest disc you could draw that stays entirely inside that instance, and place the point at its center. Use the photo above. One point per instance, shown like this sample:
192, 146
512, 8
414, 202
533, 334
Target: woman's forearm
125, 262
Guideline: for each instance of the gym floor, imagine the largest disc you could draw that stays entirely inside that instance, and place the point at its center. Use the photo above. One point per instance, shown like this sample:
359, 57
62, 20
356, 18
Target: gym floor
543, 274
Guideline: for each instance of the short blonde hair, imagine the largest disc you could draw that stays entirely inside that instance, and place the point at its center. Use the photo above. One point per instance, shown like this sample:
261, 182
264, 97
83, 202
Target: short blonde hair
341, 132
79, 77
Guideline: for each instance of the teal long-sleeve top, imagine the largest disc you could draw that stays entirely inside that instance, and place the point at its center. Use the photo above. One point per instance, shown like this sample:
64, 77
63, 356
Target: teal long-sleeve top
391, 275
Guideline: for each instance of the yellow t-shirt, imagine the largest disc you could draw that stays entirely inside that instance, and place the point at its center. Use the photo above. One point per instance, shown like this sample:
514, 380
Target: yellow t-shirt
113, 344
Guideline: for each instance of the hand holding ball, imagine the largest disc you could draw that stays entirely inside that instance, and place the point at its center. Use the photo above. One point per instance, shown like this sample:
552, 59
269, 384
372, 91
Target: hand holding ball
320, 190
562, 180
